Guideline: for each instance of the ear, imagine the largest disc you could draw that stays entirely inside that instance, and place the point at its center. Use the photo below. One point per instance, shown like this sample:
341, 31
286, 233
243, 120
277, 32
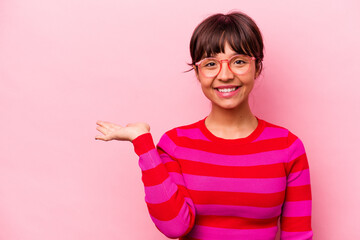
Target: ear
196, 72
257, 73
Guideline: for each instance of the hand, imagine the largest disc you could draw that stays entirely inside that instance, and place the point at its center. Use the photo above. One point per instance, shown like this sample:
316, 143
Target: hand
113, 131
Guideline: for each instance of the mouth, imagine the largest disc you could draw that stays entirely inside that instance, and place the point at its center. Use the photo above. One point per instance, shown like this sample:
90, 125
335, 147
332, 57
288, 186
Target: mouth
227, 90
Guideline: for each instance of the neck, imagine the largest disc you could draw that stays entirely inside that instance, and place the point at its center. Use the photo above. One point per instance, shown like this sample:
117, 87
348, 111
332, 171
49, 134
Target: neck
236, 118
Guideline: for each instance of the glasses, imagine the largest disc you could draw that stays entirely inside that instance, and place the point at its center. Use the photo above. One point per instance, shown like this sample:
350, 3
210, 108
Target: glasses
238, 64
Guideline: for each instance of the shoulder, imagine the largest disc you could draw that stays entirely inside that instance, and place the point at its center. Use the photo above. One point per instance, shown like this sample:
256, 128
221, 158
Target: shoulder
279, 131
292, 141
187, 130
177, 135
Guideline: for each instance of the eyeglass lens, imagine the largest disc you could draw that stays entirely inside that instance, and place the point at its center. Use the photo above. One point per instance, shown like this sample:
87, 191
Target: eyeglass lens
239, 64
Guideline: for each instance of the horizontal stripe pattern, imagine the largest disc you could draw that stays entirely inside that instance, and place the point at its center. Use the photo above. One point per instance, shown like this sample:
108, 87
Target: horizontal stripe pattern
228, 149
275, 170
237, 198
233, 222
192, 133
184, 222
272, 132
261, 158
160, 193
304, 235
249, 185
198, 186
299, 178
239, 211
211, 233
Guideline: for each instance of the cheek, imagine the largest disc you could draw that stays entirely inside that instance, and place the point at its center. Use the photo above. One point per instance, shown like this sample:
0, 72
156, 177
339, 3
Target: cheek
207, 91
250, 77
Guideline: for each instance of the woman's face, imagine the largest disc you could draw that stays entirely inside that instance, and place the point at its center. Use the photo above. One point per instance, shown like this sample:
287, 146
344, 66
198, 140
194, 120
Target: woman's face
232, 99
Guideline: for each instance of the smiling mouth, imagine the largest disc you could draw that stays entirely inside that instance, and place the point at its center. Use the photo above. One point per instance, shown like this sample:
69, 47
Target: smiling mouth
225, 90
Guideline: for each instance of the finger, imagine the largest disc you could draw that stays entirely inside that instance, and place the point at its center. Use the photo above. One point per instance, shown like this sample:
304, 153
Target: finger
100, 138
101, 123
102, 130
107, 124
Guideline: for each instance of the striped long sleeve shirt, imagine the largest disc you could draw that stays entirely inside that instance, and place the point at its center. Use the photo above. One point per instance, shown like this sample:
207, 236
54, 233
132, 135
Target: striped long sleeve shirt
202, 187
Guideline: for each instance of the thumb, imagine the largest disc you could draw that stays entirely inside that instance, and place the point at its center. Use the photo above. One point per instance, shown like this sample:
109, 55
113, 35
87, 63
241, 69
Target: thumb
98, 137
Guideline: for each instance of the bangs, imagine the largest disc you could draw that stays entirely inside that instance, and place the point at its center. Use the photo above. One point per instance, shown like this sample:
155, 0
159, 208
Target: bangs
214, 43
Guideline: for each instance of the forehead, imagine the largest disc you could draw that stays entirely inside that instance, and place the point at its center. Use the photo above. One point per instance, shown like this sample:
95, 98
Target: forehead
228, 52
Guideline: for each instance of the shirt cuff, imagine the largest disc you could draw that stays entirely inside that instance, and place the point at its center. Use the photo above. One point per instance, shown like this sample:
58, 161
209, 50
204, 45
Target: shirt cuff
143, 143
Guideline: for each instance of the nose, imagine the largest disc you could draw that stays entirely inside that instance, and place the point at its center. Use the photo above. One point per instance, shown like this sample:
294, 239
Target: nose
225, 72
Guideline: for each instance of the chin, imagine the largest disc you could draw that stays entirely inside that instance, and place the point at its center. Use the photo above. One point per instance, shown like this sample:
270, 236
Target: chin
228, 106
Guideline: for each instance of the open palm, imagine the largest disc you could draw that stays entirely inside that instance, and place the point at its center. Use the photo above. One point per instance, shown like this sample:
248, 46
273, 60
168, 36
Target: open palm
112, 131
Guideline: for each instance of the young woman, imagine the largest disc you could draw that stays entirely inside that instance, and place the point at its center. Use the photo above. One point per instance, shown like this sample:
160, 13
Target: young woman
231, 175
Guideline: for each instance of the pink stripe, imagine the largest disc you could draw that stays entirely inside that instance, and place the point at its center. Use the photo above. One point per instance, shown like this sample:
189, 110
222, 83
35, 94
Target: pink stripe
263, 158
272, 132
149, 160
177, 178
178, 225
238, 211
296, 149
249, 185
160, 193
297, 209
166, 144
308, 235
299, 178
166, 158
193, 133
203, 232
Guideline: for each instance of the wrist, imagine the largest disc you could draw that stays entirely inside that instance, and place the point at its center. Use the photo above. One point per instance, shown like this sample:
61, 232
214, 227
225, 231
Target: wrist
138, 134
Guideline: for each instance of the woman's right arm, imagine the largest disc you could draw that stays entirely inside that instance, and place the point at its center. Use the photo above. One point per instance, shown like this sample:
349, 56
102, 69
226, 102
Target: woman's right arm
166, 197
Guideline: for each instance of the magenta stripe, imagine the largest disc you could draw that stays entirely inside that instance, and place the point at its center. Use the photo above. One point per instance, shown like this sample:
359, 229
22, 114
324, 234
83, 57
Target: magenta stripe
160, 193
177, 178
299, 178
308, 235
297, 208
166, 144
272, 132
248, 185
212, 233
149, 160
296, 149
238, 211
178, 225
263, 158
165, 158
193, 133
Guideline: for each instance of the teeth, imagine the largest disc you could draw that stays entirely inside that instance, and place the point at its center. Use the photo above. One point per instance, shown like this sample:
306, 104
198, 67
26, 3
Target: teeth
226, 89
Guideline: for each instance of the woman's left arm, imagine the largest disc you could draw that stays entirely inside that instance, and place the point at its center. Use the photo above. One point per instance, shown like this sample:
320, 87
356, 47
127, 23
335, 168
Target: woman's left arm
296, 210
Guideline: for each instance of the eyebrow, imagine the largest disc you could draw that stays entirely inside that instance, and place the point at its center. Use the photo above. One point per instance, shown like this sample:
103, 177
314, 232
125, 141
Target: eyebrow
235, 53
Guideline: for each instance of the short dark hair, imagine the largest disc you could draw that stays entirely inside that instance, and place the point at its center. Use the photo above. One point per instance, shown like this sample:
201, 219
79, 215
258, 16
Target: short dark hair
236, 28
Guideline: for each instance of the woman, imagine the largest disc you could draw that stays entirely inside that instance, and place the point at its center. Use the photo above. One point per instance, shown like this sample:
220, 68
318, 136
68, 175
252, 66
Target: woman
230, 175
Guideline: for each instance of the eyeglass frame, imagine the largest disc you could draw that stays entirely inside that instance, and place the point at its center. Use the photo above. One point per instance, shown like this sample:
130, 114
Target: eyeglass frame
221, 61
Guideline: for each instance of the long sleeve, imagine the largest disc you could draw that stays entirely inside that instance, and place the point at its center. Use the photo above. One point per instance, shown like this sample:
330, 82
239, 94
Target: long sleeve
296, 210
170, 207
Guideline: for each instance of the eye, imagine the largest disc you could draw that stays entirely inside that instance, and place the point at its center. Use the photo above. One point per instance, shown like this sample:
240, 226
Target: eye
239, 61
209, 63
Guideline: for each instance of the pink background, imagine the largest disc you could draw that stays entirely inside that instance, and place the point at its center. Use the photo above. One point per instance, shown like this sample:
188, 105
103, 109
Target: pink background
66, 64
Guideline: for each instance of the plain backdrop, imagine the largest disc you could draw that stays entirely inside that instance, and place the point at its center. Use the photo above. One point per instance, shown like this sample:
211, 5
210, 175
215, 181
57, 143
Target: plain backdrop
66, 64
